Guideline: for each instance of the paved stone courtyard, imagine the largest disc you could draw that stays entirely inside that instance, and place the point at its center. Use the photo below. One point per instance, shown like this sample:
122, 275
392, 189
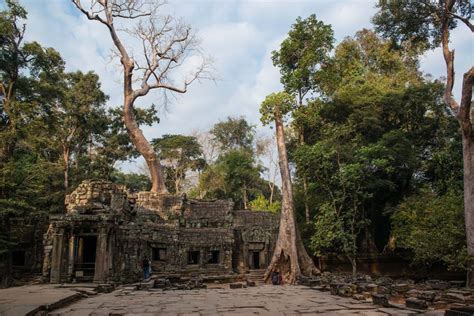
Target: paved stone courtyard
262, 300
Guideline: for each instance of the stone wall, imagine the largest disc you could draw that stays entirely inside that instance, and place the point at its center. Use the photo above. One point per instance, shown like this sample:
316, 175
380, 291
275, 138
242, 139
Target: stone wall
117, 231
255, 233
97, 196
25, 233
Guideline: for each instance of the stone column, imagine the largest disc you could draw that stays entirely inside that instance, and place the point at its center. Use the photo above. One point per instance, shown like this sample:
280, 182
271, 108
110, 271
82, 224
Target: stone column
56, 257
101, 257
70, 263
80, 249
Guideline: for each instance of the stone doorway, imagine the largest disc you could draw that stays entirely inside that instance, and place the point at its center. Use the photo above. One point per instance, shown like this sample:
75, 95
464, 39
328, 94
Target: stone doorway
256, 260
85, 256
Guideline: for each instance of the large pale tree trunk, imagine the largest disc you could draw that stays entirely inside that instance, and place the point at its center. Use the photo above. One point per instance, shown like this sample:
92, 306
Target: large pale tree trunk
464, 115
290, 258
66, 168
305, 178
136, 134
305, 186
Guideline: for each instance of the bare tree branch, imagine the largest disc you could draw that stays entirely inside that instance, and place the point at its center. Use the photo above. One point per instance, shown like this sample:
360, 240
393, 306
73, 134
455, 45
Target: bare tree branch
165, 44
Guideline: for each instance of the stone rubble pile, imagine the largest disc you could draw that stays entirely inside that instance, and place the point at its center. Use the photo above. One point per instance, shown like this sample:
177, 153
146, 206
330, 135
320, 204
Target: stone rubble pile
384, 291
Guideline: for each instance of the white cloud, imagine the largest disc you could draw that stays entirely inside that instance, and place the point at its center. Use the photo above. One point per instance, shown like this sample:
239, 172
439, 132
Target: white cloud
239, 34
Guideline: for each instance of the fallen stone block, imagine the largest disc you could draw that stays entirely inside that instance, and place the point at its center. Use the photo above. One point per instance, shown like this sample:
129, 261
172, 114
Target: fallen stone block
105, 288
345, 290
335, 288
383, 290
454, 297
416, 303
160, 284
438, 285
380, 299
235, 285
460, 311
371, 288
457, 284
251, 283
359, 297
401, 288
427, 295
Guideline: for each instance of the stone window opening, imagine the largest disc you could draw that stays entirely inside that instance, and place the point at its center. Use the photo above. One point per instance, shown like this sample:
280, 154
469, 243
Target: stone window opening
214, 257
193, 257
159, 254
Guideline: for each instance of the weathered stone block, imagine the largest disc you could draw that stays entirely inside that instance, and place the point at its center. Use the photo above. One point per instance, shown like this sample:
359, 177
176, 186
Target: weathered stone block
371, 288
427, 295
383, 290
416, 303
380, 299
235, 285
460, 311
454, 297
250, 283
438, 285
401, 287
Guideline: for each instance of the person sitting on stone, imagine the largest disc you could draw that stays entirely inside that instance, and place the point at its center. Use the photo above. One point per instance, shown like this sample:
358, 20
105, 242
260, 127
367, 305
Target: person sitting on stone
275, 278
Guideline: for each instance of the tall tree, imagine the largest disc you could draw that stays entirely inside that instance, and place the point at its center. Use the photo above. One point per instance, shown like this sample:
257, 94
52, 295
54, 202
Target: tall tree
266, 148
165, 43
234, 133
179, 154
79, 116
428, 24
300, 58
290, 257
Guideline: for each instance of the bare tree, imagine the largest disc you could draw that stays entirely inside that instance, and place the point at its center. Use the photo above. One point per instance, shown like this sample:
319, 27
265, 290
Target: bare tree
210, 148
165, 44
267, 152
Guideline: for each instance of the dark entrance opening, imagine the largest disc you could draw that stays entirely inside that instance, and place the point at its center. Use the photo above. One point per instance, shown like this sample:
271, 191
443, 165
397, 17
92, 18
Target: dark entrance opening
90, 247
18, 258
85, 255
193, 257
214, 257
256, 260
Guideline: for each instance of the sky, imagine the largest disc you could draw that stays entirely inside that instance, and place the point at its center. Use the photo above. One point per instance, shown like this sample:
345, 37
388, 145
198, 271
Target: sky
239, 35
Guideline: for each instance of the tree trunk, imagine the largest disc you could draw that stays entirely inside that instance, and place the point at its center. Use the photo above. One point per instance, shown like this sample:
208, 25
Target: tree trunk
306, 205
468, 158
354, 266
305, 179
244, 197
290, 258
464, 117
305, 182
66, 168
7, 276
136, 134
463, 112
272, 188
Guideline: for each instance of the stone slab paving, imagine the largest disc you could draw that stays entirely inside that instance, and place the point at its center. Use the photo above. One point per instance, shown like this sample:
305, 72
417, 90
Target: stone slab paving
22, 300
262, 300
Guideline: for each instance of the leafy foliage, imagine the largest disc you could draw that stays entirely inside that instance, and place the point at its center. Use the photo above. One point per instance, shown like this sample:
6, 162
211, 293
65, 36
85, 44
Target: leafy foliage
432, 227
416, 22
235, 133
179, 155
262, 204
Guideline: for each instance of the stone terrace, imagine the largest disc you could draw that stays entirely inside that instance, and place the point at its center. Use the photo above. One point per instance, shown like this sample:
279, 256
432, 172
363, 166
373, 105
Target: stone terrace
263, 300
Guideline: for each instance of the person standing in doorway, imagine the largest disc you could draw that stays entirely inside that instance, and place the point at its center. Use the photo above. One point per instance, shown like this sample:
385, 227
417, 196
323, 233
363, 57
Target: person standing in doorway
146, 267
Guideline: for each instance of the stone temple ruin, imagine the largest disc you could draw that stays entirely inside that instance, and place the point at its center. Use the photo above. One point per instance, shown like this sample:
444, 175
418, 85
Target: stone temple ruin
106, 232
